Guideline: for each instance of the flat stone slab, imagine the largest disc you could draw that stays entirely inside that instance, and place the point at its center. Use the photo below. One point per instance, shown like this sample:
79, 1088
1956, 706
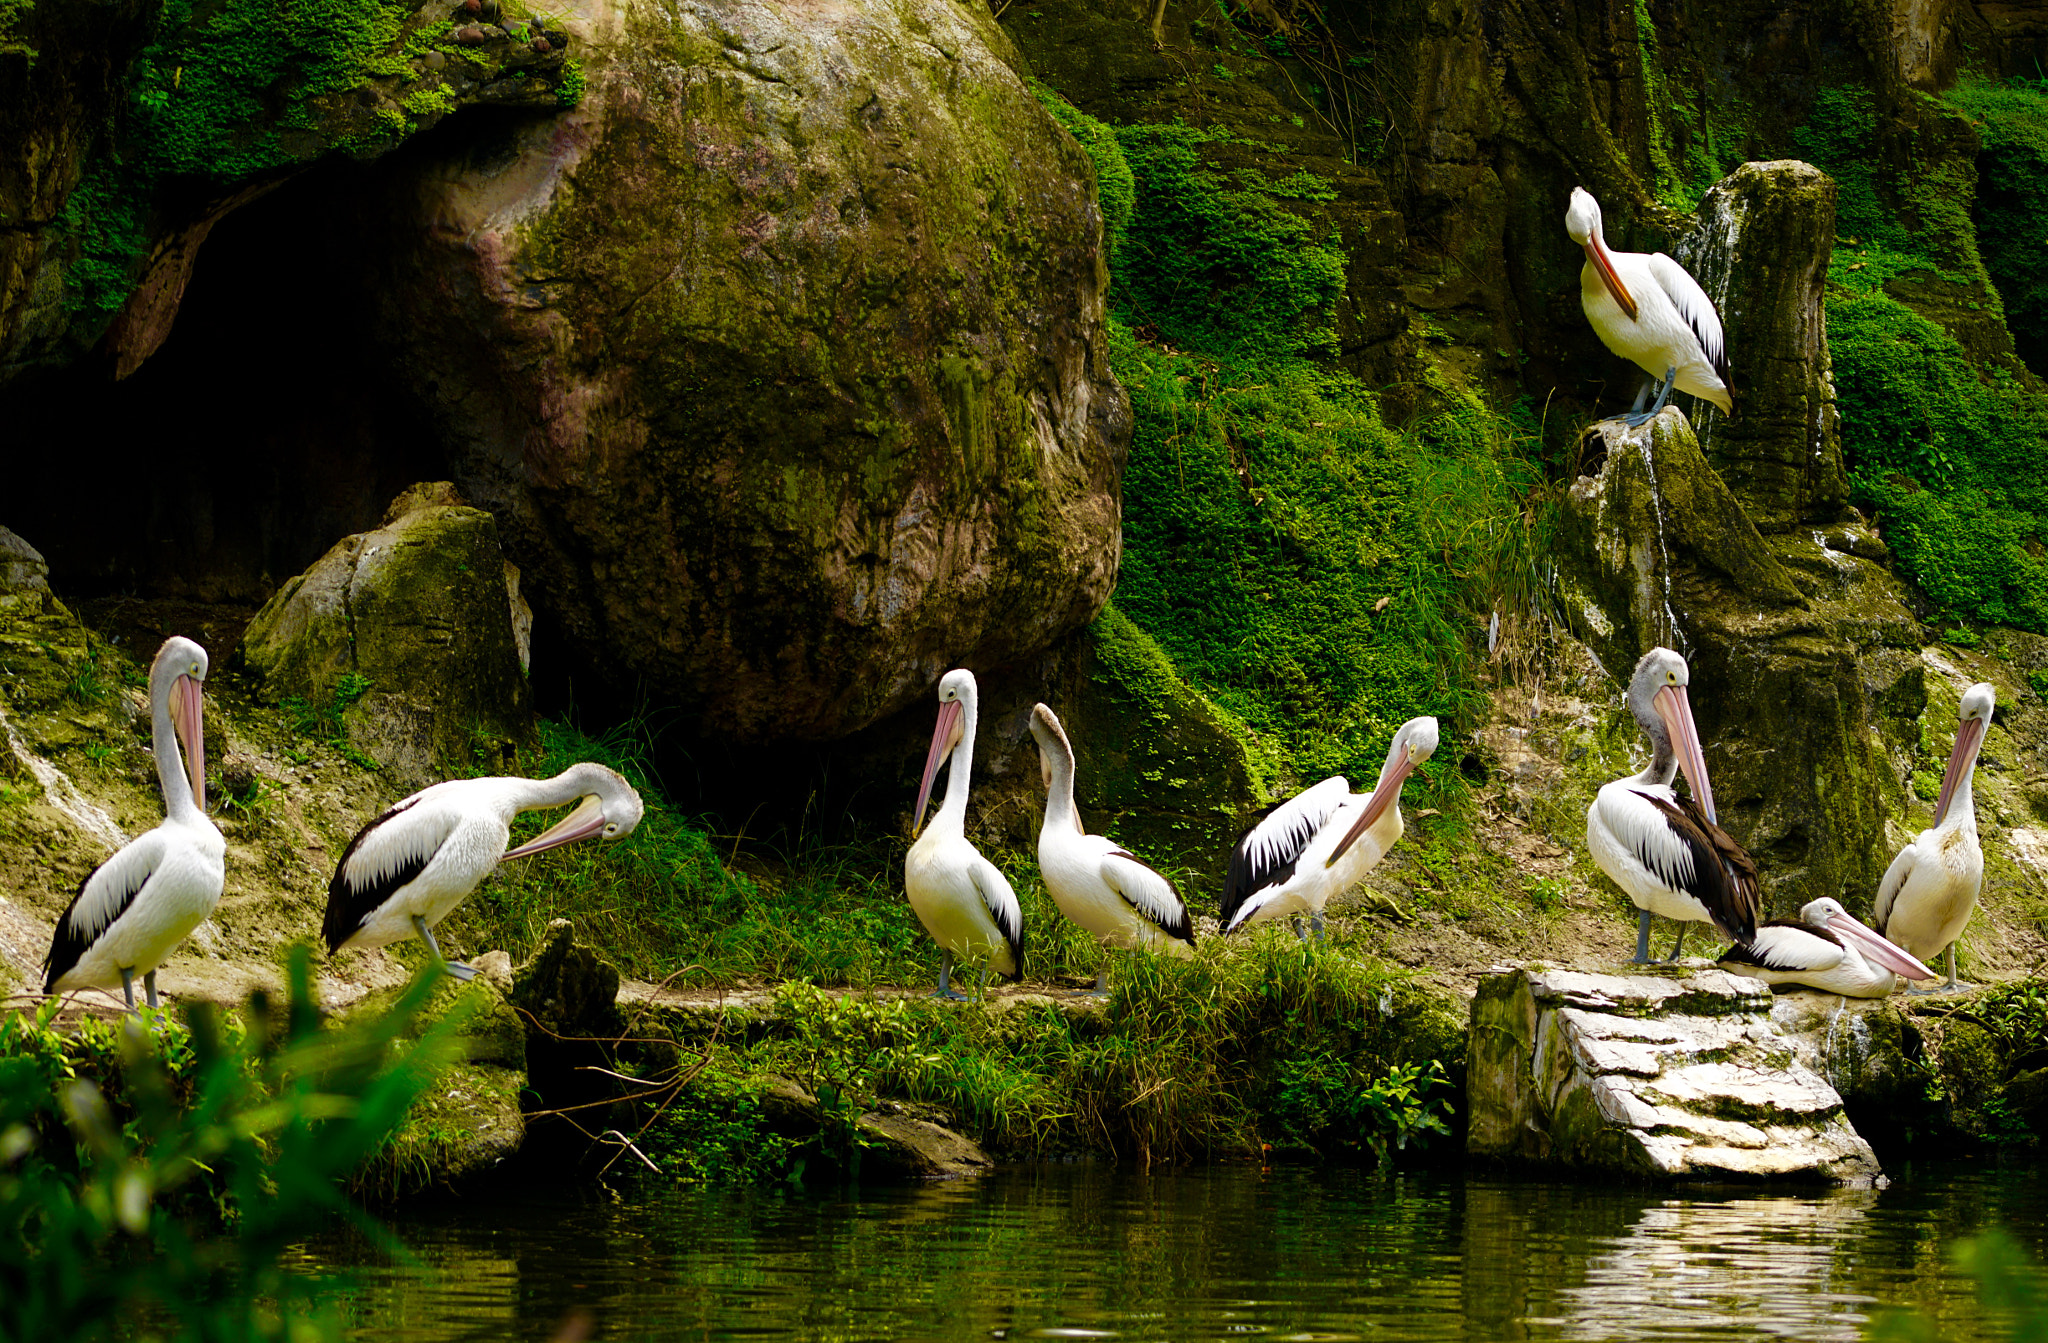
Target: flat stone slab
1682, 1077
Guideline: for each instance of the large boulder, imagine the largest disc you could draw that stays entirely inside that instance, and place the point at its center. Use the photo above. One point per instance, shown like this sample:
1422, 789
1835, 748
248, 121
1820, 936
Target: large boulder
1648, 1076
402, 638
782, 362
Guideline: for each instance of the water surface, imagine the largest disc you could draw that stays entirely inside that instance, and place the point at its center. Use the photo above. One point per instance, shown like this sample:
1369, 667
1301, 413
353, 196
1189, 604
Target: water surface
1218, 1253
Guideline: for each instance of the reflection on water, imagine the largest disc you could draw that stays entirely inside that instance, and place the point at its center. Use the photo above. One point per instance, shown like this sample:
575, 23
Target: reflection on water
1095, 1252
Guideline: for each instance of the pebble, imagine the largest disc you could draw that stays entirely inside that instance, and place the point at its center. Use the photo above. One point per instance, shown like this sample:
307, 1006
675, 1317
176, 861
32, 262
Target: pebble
471, 36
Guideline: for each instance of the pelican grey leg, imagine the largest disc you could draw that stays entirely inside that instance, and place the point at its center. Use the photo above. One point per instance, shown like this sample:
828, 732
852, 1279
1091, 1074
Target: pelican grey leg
419, 925
1101, 988
1641, 417
946, 990
1294, 922
1679, 943
1642, 396
1315, 925
149, 988
128, 986
1642, 956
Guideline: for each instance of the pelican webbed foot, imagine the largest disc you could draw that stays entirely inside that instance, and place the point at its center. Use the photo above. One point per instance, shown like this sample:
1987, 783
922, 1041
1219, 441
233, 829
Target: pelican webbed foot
1636, 418
465, 973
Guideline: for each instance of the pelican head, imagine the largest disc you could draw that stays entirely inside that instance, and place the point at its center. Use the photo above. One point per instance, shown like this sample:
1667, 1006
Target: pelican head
1657, 696
607, 807
1053, 747
1582, 224
1414, 743
957, 693
1973, 720
1828, 915
174, 681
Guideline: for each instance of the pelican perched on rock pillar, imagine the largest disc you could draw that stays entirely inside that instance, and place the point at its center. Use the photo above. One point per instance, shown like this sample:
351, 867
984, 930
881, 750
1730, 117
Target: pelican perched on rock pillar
1646, 308
135, 908
1930, 890
1322, 841
407, 870
964, 902
1827, 950
1099, 885
1663, 849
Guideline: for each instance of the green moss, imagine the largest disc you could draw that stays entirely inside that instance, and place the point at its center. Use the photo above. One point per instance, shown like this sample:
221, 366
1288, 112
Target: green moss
569, 92
1952, 461
1213, 260
1114, 186
2011, 212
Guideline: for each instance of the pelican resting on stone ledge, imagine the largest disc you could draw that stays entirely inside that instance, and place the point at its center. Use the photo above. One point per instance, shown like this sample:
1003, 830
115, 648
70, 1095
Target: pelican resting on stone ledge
1663, 849
963, 900
407, 870
1826, 949
1098, 884
134, 909
1930, 890
1322, 841
1648, 309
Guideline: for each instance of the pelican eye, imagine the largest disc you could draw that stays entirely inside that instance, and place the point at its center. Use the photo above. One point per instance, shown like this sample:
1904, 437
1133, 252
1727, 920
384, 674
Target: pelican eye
612, 829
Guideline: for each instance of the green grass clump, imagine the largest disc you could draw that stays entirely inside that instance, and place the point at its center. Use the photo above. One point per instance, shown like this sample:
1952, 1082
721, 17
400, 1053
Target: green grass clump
1262, 1043
1952, 461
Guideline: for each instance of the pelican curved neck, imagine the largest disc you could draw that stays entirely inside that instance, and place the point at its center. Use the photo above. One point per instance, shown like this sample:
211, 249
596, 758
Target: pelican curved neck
953, 811
533, 794
179, 804
1663, 766
1059, 794
1962, 807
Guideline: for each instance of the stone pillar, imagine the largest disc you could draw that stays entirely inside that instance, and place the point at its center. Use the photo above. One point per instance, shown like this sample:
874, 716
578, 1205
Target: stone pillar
1641, 1075
1760, 248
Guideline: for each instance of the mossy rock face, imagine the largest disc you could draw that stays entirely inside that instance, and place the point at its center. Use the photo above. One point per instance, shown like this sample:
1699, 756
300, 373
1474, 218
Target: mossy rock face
419, 614
784, 369
1800, 647
1761, 249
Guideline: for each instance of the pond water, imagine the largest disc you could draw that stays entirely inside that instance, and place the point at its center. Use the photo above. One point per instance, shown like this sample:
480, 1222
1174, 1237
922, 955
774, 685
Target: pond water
1294, 1252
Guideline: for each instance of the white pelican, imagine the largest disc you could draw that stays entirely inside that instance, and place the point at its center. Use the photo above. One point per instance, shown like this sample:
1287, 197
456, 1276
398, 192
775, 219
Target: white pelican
964, 902
1827, 950
136, 907
1322, 841
1663, 849
1646, 308
407, 870
1931, 888
1098, 885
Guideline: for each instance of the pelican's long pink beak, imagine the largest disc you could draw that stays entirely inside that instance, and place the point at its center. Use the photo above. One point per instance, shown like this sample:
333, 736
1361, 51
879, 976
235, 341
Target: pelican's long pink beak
1969, 736
1385, 794
582, 823
944, 738
188, 719
1675, 708
1875, 947
1596, 251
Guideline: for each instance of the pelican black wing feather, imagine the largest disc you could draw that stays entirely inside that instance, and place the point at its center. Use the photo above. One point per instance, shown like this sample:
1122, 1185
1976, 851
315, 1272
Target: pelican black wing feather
75, 930
351, 901
1173, 921
1265, 854
1723, 876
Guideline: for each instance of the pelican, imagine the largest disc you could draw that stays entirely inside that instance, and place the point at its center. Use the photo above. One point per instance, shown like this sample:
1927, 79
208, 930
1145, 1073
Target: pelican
1097, 884
135, 908
1930, 889
407, 870
1646, 308
1827, 950
1663, 849
1322, 841
964, 902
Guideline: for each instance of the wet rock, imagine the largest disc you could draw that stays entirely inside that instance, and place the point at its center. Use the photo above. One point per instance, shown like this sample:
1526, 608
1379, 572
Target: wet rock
814, 401
917, 1149
1760, 248
1641, 1075
1801, 647
419, 607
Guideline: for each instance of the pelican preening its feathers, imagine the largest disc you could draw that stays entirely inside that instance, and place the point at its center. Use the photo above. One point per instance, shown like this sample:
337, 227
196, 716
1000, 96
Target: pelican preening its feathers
962, 899
1099, 885
1665, 850
407, 870
135, 908
1322, 841
1929, 891
1648, 309
1826, 949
